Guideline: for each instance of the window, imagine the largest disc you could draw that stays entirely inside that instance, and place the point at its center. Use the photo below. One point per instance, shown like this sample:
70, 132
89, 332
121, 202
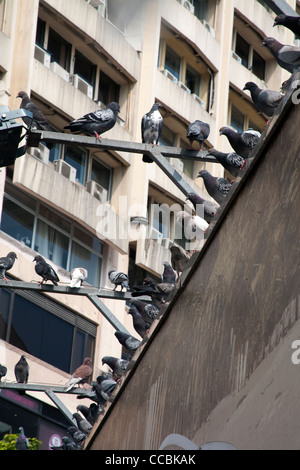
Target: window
53, 237
246, 43
108, 89
172, 62
84, 68
77, 157
258, 66
192, 80
30, 321
237, 119
60, 49
242, 49
102, 175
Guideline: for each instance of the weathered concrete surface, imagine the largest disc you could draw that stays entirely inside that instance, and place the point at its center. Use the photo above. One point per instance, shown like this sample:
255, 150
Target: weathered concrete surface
218, 365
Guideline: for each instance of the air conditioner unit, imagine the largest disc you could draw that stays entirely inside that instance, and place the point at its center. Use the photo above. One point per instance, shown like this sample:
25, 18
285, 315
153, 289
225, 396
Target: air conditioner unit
59, 70
197, 98
42, 56
41, 152
166, 243
168, 74
154, 234
99, 5
184, 87
188, 5
82, 85
65, 169
236, 57
208, 27
97, 190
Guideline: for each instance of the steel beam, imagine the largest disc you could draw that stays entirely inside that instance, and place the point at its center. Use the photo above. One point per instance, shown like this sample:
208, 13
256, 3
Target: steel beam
281, 7
107, 313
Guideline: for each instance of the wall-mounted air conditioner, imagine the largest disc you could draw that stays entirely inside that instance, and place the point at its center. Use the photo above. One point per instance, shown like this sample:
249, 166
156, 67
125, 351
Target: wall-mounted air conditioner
184, 87
154, 234
99, 5
82, 85
208, 27
236, 57
168, 74
97, 190
65, 169
42, 56
166, 243
41, 152
197, 98
59, 70
188, 5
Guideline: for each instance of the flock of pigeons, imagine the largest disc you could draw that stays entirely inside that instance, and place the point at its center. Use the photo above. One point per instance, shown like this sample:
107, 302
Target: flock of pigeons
144, 313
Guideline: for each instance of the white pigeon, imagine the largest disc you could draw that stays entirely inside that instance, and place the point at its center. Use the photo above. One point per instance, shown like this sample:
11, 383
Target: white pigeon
77, 276
191, 223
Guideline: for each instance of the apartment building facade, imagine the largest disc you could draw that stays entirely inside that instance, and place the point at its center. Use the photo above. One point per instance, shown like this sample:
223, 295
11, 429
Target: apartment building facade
73, 57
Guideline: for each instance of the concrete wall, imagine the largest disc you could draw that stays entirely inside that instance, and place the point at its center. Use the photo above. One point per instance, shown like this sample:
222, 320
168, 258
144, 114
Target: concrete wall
218, 365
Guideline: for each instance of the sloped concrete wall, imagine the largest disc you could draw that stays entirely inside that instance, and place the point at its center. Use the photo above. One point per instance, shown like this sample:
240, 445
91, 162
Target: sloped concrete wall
218, 366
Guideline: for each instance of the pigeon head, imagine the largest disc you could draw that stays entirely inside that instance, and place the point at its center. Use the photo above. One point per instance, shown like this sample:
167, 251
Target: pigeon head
225, 130
250, 86
87, 361
12, 255
279, 20
115, 107
202, 174
22, 94
38, 258
272, 44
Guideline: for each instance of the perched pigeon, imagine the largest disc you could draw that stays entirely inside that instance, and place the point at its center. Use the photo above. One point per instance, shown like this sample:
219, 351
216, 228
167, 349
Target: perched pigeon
151, 125
22, 442
193, 224
217, 187
210, 207
290, 22
129, 342
288, 57
158, 292
22, 370
6, 263
139, 324
232, 162
67, 444
265, 101
119, 279
81, 374
77, 435
104, 388
149, 312
43, 269
118, 366
198, 131
179, 258
77, 276
168, 274
242, 142
3, 371
97, 122
38, 121
91, 413
82, 423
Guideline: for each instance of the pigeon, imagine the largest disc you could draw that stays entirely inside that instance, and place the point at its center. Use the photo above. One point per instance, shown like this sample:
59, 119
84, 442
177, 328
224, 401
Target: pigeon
22, 370
158, 292
43, 269
22, 442
91, 413
149, 312
104, 388
38, 120
81, 374
119, 279
198, 131
118, 366
265, 101
217, 187
3, 371
6, 263
77, 435
210, 208
288, 57
97, 122
151, 125
77, 276
193, 224
129, 342
82, 423
139, 324
168, 274
290, 22
179, 258
67, 444
242, 142
232, 162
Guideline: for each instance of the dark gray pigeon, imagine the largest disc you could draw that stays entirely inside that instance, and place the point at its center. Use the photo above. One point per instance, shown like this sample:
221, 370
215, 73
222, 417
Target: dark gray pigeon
77, 435
3, 371
242, 142
67, 444
6, 263
119, 279
210, 208
232, 162
91, 413
199, 131
81, 375
43, 269
168, 274
288, 57
22, 442
97, 122
82, 423
139, 324
39, 121
288, 21
148, 311
22, 370
158, 291
217, 187
179, 258
103, 388
118, 366
151, 127
129, 342
265, 101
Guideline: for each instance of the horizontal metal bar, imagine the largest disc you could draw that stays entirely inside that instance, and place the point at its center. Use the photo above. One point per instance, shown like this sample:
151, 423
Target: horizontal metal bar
281, 6
118, 145
33, 387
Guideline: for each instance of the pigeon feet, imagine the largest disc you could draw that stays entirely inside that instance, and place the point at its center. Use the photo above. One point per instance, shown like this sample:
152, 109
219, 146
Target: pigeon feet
97, 136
